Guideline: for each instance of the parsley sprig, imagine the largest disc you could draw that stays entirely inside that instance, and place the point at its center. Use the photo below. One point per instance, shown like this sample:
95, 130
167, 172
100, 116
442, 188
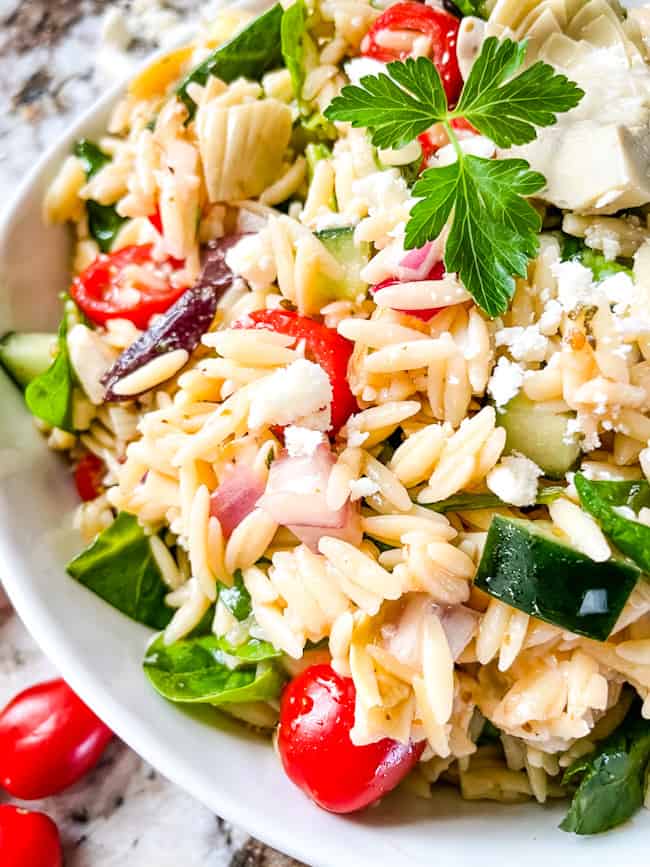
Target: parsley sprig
492, 226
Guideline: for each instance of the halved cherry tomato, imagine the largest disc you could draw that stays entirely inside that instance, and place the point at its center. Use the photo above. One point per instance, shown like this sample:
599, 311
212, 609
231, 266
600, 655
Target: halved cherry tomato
316, 716
88, 475
438, 26
28, 839
103, 291
325, 346
48, 740
436, 273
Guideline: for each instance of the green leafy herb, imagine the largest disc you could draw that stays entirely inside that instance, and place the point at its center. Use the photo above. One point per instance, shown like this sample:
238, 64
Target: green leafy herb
249, 54
237, 599
103, 220
294, 34
601, 268
471, 502
493, 229
120, 567
477, 8
103, 223
211, 671
91, 155
49, 395
612, 779
490, 734
603, 499
527, 568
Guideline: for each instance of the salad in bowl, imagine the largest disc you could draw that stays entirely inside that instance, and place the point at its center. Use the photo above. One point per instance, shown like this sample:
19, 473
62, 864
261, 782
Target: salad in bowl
353, 377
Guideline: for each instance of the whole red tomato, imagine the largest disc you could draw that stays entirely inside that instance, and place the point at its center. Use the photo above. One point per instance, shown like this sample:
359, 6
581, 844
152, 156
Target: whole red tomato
48, 740
316, 716
28, 839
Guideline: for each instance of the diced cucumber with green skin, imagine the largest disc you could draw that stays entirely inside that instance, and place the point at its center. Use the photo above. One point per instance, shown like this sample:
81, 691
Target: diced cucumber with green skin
353, 257
526, 567
26, 355
539, 434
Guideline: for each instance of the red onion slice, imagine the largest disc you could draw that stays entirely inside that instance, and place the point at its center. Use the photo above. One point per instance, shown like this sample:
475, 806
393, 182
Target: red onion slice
236, 497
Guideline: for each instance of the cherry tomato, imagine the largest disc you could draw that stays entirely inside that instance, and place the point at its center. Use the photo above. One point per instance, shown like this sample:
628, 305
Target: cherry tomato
325, 346
438, 26
433, 139
316, 716
436, 273
88, 475
48, 740
110, 289
28, 839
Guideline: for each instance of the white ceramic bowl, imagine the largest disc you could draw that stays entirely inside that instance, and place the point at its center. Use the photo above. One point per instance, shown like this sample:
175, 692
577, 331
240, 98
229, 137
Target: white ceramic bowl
99, 651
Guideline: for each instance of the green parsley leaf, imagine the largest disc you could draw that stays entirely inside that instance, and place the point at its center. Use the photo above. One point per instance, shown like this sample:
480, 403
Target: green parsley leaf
293, 33
505, 108
397, 109
494, 229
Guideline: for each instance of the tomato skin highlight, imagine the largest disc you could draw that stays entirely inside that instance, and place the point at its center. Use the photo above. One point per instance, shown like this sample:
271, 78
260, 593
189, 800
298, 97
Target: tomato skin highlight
48, 740
28, 839
326, 347
316, 715
442, 29
96, 290
88, 475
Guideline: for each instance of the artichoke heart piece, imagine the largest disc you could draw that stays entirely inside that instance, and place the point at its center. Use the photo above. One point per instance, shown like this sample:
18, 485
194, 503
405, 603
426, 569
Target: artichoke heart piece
242, 147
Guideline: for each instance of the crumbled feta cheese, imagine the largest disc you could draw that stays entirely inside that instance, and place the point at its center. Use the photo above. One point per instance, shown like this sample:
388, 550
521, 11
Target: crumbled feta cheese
611, 247
301, 442
299, 394
619, 291
575, 286
524, 344
356, 68
252, 258
551, 317
381, 190
475, 145
506, 381
363, 487
514, 480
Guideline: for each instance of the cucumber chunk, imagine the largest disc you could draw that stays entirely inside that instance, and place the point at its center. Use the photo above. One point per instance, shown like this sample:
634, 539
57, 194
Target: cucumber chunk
539, 434
25, 356
527, 567
353, 257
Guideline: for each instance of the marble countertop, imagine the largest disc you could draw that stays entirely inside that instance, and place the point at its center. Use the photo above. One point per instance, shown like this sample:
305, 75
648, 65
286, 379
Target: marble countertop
54, 60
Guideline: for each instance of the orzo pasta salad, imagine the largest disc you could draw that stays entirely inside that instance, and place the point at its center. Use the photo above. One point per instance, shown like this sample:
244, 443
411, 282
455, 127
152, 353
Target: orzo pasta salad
354, 379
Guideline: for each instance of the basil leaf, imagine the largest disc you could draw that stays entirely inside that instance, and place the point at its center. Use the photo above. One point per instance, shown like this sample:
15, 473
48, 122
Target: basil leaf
103, 220
471, 502
103, 223
92, 157
249, 54
601, 499
294, 34
612, 779
49, 395
237, 599
195, 670
120, 567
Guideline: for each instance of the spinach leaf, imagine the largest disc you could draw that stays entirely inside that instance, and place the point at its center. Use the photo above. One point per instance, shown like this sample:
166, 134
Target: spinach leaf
601, 268
49, 395
211, 671
120, 567
237, 599
601, 499
612, 779
249, 54
103, 223
470, 502
294, 35
103, 220
526, 567
92, 157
